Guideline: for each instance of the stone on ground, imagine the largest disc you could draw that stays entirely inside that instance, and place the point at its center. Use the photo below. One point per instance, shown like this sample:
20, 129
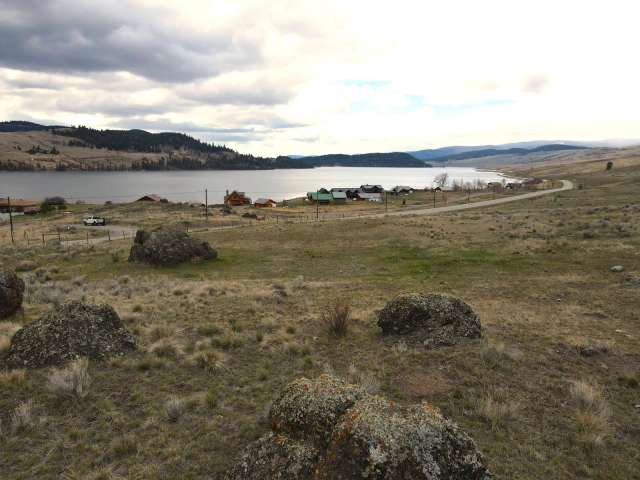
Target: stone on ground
69, 331
617, 268
356, 435
168, 246
436, 319
11, 293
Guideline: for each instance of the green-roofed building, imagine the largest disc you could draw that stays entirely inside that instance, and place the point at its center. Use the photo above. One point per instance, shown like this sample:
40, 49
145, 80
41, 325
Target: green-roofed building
322, 198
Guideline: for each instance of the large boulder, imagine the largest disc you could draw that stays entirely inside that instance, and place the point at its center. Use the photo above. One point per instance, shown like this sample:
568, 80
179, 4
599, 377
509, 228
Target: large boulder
168, 246
11, 293
356, 435
68, 331
436, 319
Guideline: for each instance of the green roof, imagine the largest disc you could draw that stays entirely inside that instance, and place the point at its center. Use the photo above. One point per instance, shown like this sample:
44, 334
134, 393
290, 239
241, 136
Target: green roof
322, 197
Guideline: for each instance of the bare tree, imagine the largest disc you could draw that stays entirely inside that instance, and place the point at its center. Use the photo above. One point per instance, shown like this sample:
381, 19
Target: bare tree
441, 180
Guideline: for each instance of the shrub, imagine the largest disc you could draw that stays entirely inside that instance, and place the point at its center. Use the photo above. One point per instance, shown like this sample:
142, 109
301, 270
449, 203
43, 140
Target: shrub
593, 414
337, 317
22, 416
123, 446
496, 408
71, 381
174, 408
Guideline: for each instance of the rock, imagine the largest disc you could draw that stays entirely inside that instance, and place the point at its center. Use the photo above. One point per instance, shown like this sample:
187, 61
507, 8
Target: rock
68, 331
617, 268
356, 435
167, 246
436, 319
11, 293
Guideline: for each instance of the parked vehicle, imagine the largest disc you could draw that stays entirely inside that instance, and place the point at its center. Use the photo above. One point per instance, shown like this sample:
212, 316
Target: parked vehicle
93, 221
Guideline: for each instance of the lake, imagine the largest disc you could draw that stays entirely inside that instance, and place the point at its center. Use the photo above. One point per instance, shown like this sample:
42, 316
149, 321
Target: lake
98, 187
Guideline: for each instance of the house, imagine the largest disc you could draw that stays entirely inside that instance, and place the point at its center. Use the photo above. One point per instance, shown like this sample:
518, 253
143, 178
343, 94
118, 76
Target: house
339, 197
402, 190
319, 197
265, 203
236, 199
436, 189
150, 198
370, 197
19, 206
513, 185
371, 188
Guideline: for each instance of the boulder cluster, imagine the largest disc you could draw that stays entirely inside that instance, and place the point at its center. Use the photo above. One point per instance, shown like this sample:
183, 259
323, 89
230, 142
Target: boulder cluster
434, 319
11, 293
168, 246
329, 429
69, 331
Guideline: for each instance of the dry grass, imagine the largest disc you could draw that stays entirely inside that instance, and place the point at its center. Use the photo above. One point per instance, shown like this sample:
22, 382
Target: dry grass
71, 381
22, 417
174, 408
593, 414
497, 408
13, 377
337, 317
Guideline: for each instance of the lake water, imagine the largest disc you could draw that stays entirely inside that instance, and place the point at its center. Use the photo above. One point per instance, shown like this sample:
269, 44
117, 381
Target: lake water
98, 187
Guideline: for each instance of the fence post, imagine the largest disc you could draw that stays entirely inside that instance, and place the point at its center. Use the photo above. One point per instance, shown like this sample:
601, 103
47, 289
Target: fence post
123, 235
109, 235
43, 238
87, 239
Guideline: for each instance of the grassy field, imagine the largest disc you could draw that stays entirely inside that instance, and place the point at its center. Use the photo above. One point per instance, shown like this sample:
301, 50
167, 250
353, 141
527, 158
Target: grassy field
550, 392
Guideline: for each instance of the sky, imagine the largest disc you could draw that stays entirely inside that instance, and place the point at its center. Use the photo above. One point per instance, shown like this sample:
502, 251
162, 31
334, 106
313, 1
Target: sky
309, 77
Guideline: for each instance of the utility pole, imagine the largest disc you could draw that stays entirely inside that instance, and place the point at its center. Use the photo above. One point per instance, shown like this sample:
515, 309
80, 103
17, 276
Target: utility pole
10, 217
434, 198
386, 201
317, 205
206, 205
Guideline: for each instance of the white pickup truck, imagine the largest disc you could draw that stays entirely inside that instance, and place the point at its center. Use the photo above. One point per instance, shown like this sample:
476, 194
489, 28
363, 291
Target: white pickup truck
93, 221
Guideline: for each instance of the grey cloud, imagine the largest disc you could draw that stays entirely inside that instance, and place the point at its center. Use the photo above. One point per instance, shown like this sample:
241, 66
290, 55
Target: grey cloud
255, 93
71, 36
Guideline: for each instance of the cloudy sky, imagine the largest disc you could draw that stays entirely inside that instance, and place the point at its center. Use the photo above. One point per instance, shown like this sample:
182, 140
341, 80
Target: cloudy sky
309, 77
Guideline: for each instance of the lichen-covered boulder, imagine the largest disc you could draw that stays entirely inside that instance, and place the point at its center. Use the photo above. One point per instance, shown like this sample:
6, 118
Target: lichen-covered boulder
69, 331
11, 293
436, 319
378, 439
275, 457
356, 435
309, 409
168, 246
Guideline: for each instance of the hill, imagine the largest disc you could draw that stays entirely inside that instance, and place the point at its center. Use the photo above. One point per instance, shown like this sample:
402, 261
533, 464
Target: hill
29, 146
392, 159
450, 153
489, 152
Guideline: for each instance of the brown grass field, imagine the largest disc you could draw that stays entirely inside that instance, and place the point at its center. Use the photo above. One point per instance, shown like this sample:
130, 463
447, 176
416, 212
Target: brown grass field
552, 391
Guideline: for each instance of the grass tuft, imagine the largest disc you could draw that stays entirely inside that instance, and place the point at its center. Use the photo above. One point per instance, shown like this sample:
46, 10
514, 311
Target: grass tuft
337, 317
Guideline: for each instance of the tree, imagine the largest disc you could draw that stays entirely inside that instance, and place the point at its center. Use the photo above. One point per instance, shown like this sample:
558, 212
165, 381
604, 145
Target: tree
609, 165
441, 180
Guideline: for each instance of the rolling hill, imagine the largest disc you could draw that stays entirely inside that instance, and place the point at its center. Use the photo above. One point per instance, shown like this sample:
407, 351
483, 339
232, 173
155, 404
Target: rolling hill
392, 159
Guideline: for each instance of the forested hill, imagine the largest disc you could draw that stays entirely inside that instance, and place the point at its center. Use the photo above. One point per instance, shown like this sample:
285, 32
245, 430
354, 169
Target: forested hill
29, 146
139, 140
393, 159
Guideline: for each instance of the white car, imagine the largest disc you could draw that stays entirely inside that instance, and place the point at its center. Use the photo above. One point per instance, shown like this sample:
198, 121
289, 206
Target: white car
93, 221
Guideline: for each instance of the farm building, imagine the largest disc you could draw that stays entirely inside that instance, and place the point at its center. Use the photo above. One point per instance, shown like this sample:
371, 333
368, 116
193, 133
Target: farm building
371, 188
370, 197
339, 197
402, 190
236, 199
20, 206
319, 197
351, 192
264, 203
